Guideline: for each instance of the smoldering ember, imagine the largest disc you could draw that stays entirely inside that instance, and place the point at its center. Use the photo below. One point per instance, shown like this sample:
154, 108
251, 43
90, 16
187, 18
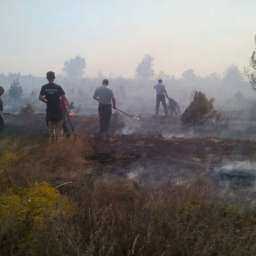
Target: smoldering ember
148, 162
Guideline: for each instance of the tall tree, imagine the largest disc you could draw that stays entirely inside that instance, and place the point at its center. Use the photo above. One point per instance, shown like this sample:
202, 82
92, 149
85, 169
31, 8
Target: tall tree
189, 75
75, 68
233, 75
145, 69
15, 91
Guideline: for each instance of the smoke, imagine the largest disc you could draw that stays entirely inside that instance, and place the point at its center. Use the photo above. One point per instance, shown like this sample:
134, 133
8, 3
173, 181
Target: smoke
237, 175
233, 95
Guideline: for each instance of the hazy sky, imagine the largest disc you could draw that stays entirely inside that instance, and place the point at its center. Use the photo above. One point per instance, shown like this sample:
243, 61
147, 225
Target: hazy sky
113, 35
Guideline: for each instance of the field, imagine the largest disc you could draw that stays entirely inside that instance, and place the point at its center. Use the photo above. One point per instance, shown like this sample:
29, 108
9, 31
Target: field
155, 189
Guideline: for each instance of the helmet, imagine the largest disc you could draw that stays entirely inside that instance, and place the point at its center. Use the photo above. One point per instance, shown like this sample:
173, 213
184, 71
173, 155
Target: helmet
1, 90
50, 75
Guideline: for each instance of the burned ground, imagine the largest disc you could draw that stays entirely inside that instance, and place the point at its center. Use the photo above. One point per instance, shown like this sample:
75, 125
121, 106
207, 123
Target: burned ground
154, 188
152, 151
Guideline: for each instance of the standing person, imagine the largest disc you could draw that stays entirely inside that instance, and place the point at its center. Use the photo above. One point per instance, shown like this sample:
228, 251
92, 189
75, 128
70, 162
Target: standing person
51, 94
1, 109
106, 100
161, 94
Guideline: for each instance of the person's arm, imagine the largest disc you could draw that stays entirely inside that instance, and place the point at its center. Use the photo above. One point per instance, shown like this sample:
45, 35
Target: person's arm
42, 96
1, 105
61, 92
65, 103
165, 93
114, 102
96, 96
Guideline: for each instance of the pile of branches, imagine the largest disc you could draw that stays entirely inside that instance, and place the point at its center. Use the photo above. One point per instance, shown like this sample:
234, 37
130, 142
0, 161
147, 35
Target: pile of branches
200, 110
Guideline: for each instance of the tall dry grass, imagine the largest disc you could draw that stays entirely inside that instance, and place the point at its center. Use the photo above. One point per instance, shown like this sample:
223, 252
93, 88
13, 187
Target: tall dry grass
120, 219
117, 217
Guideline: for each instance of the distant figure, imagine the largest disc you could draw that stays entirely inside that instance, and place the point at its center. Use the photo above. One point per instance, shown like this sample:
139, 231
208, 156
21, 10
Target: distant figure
161, 94
1, 109
106, 100
51, 94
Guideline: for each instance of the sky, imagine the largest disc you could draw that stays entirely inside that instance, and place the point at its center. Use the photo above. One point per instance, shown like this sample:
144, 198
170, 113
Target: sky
114, 35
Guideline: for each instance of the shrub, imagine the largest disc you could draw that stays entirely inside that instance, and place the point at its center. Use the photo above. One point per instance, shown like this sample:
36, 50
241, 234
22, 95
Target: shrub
121, 219
24, 212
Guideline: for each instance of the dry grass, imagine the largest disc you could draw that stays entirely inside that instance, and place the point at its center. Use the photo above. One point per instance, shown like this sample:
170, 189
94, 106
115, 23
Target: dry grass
120, 219
116, 217
54, 163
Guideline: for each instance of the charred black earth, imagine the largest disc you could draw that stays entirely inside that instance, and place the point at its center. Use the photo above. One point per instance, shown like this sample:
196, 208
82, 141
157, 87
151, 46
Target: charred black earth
156, 151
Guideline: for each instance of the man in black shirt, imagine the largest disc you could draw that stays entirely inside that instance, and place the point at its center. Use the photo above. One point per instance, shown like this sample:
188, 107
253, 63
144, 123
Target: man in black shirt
51, 94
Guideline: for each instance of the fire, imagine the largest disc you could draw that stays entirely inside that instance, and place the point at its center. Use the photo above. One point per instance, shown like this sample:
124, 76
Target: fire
72, 114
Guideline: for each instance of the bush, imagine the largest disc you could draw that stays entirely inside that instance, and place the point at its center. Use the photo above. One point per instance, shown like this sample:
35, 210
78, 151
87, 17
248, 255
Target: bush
24, 212
199, 110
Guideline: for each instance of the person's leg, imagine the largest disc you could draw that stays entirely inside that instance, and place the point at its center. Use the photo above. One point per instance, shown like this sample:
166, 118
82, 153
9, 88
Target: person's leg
100, 112
157, 104
50, 130
108, 115
54, 127
59, 130
104, 119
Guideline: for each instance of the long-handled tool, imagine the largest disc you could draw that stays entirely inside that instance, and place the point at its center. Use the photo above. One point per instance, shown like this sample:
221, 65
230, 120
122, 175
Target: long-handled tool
128, 115
135, 117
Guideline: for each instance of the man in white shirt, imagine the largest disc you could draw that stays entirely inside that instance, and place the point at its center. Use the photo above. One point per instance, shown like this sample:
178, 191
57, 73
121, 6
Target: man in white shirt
161, 94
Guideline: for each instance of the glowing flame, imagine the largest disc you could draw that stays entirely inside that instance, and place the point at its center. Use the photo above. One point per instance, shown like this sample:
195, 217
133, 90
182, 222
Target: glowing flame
72, 114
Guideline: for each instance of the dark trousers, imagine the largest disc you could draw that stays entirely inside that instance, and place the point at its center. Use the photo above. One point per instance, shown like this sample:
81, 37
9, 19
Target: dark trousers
161, 99
105, 112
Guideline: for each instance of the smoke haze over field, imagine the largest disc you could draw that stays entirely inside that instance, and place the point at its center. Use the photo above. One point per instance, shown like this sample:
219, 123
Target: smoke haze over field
230, 90
114, 35
192, 45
